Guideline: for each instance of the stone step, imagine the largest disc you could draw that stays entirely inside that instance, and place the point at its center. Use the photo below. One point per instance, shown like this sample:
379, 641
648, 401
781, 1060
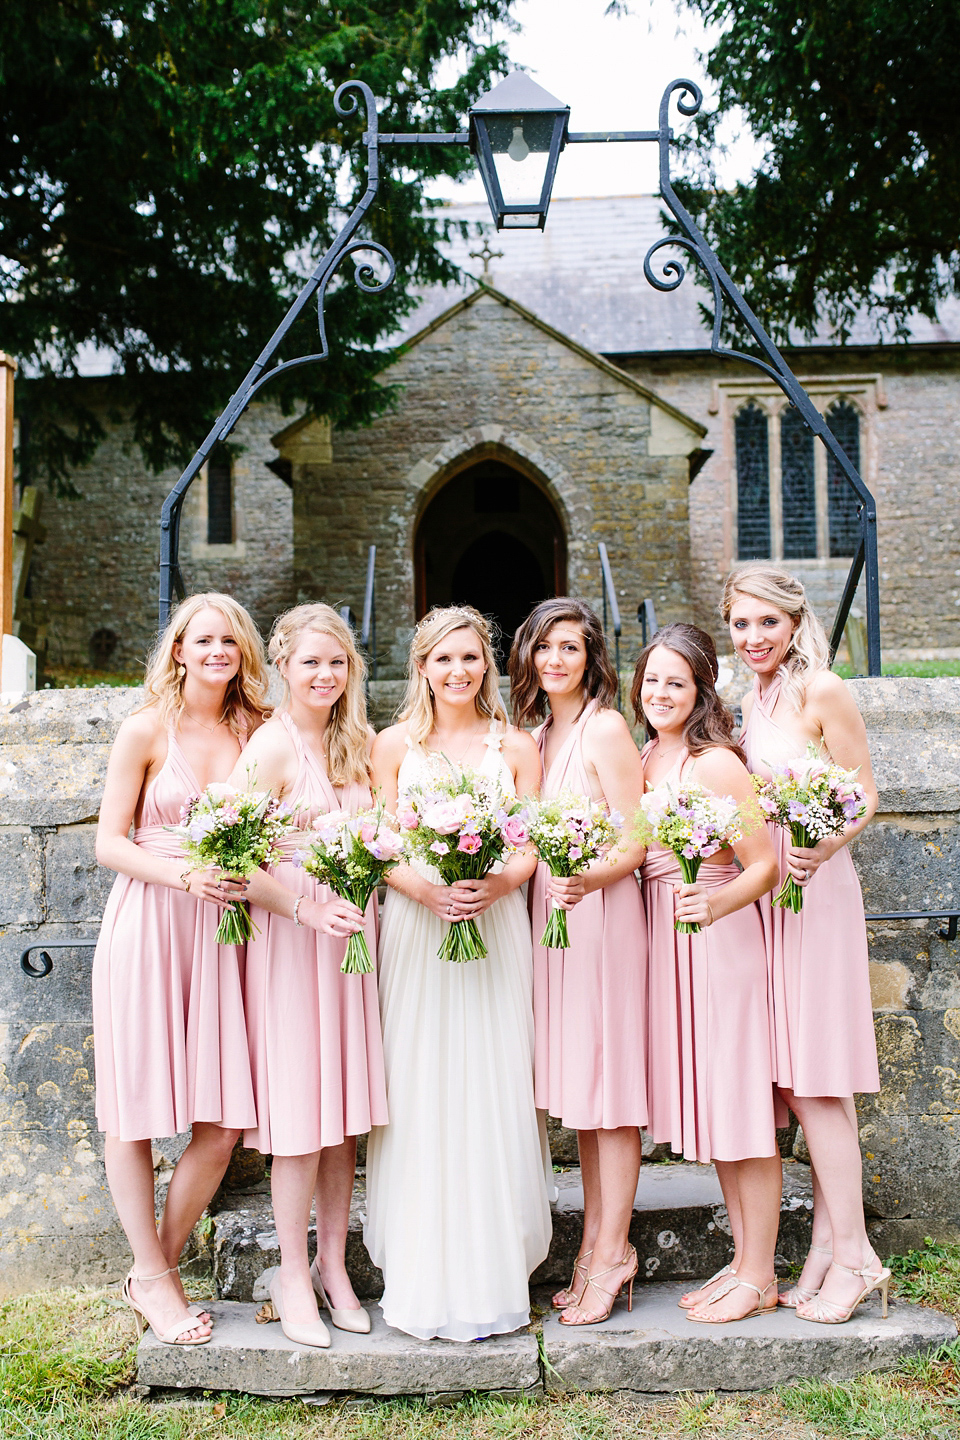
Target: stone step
679, 1227
653, 1350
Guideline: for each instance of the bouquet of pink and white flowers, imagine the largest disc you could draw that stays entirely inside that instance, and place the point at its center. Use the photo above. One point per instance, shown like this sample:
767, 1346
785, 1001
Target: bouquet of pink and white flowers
693, 823
462, 824
351, 854
238, 830
811, 798
570, 832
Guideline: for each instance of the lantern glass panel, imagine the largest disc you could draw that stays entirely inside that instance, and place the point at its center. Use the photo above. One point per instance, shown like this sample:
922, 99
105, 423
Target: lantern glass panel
521, 151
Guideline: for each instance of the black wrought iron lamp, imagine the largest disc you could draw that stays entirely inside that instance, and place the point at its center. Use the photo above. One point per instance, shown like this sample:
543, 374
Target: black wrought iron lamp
517, 131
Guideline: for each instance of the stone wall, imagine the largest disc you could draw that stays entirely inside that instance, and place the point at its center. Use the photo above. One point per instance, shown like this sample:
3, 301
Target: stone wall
97, 568
57, 1223
910, 439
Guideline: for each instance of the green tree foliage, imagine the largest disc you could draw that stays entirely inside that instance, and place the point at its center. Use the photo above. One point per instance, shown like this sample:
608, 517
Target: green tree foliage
857, 203
170, 170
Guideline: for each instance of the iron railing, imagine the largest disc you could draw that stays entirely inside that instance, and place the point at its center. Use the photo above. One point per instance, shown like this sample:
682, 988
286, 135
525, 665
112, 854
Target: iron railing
610, 598
368, 628
647, 620
724, 291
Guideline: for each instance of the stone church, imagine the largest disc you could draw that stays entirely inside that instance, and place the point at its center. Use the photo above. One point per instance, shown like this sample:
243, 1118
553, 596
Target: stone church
553, 402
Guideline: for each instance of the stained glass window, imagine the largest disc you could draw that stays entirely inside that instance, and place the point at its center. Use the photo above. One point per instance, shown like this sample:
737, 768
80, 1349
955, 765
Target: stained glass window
753, 484
842, 502
220, 497
798, 487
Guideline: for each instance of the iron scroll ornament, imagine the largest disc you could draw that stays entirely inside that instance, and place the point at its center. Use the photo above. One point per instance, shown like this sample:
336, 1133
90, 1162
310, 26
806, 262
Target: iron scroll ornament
346, 102
725, 291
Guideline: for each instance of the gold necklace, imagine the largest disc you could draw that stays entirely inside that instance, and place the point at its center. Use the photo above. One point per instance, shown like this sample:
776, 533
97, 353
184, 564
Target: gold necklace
458, 759
211, 729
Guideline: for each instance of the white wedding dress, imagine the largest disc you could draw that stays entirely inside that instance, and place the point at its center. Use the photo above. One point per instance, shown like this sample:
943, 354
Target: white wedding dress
458, 1215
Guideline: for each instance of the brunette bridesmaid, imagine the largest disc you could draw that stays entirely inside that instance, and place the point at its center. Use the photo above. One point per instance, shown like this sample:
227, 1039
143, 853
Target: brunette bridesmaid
821, 1012
314, 1033
708, 1045
168, 1020
590, 1000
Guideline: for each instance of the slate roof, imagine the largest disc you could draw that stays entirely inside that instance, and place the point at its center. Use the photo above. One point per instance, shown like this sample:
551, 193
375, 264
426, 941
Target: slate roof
584, 276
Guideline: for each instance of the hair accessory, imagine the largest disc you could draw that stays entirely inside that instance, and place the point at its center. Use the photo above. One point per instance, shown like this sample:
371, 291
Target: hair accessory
181, 671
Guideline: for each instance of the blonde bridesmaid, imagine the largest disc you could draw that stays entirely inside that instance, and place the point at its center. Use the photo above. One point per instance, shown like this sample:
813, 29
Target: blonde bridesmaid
820, 1006
589, 1001
314, 1033
708, 1047
169, 1035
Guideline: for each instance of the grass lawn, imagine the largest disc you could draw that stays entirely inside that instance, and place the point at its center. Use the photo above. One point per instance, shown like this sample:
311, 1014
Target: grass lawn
67, 1371
920, 669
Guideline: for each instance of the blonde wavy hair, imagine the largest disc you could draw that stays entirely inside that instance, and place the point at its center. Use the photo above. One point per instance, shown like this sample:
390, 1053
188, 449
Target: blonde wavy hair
809, 651
419, 710
245, 704
347, 735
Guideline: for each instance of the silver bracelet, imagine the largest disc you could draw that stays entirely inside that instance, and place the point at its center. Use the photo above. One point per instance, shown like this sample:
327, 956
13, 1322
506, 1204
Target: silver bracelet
296, 911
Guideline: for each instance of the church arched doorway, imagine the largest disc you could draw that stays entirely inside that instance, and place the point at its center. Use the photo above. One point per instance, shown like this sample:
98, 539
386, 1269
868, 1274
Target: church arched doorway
492, 538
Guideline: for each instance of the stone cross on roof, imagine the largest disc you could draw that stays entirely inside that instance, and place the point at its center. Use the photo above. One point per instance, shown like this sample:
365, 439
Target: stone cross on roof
486, 255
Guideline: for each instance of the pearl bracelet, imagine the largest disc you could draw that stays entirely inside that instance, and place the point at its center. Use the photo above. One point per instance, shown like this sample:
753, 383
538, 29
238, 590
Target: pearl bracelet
296, 911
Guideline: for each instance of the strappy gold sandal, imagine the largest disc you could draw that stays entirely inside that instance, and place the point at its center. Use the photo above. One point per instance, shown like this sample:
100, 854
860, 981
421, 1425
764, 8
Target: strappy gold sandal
735, 1283
580, 1264
797, 1293
601, 1292
828, 1312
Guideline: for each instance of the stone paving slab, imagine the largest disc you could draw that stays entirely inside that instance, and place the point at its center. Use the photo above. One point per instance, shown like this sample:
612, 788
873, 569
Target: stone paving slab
653, 1350
260, 1360
656, 1349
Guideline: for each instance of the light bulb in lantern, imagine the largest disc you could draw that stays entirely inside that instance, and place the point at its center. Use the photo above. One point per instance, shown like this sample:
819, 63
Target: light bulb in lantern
518, 149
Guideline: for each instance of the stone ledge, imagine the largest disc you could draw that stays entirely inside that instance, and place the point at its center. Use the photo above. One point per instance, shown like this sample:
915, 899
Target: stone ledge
657, 1349
653, 1350
260, 1360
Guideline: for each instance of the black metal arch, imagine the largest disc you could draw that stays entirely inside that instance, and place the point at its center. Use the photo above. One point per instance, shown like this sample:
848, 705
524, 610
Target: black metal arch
689, 101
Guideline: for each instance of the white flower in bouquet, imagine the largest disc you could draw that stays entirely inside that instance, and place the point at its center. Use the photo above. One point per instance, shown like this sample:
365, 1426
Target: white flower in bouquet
570, 832
351, 854
694, 823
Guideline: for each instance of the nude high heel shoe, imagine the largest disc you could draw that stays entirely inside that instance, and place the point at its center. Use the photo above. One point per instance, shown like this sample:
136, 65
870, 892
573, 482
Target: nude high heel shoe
312, 1333
357, 1322
180, 1328
606, 1299
580, 1267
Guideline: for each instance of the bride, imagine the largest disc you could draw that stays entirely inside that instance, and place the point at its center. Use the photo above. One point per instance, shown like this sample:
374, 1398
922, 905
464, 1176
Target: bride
456, 1183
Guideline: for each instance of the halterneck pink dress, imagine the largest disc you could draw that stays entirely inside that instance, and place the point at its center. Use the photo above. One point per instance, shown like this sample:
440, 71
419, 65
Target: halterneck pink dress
170, 1043
314, 1033
589, 1002
821, 1014
709, 1077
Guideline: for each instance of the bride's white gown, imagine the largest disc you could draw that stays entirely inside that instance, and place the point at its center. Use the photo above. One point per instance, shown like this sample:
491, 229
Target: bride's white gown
457, 1206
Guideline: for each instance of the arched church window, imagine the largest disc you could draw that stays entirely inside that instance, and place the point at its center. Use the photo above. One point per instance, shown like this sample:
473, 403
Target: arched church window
842, 503
797, 487
220, 497
753, 483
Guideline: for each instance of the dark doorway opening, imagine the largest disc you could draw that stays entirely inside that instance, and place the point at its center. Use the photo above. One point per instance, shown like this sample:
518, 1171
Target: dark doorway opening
490, 538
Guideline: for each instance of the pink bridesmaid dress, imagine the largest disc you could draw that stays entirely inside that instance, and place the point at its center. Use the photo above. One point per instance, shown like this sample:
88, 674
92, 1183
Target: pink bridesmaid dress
314, 1033
589, 1002
708, 1040
821, 1014
170, 1042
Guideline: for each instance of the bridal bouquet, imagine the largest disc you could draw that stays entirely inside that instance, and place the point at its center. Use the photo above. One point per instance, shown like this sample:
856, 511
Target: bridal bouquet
238, 830
570, 832
693, 823
461, 824
812, 799
351, 854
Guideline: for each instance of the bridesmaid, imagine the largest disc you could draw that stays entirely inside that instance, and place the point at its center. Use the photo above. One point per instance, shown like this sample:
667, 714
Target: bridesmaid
821, 1012
708, 1043
168, 1023
589, 1001
314, 1033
